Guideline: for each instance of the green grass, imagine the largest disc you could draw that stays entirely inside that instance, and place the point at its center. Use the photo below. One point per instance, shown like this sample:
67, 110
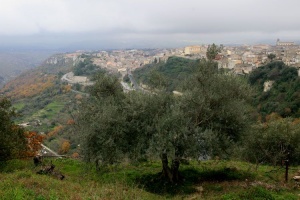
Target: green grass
206, 180
49, 111
19, 106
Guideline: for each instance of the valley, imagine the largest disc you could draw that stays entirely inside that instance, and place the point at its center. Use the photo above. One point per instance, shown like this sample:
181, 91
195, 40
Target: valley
14, 62
71, 97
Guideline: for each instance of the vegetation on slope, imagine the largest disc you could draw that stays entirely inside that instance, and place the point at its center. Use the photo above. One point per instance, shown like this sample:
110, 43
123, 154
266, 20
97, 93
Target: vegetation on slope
284, 96
28, 84
273, 141
15, 141
44, 103
85, 67
210, 118
168, 75
116, 125
213, 179
12, 137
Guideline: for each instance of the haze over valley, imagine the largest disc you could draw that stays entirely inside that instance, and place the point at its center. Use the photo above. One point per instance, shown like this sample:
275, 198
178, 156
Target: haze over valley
14, 62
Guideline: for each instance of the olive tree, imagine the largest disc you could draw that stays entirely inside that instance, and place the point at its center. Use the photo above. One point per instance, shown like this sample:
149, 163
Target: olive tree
214, 106
273, 141
116, 125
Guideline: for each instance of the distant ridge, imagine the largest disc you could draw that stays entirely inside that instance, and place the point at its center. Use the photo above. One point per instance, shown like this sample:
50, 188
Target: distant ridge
14, 62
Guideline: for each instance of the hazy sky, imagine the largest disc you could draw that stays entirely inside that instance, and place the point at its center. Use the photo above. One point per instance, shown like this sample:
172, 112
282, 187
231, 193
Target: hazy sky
146, 23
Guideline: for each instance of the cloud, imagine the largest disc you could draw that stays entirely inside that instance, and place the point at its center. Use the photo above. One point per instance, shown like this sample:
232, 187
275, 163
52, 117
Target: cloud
147, 20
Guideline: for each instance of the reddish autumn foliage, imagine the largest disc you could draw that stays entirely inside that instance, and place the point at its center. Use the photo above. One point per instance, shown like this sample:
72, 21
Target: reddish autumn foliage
34, 143
65, 147
273, 116
75, 155
55, 131
28, 84
66, 88
70, 122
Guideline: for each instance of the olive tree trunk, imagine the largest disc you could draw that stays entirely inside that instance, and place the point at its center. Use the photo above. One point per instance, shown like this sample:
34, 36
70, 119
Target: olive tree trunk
170, 173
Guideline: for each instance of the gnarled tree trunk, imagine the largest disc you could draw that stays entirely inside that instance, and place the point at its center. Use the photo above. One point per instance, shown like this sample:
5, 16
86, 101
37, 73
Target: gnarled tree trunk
171, 173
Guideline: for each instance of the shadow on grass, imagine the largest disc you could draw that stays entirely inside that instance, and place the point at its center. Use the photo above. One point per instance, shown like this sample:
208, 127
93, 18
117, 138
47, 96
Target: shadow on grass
156, 183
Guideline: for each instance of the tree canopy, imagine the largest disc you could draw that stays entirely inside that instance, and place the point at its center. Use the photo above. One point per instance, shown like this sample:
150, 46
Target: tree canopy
212, 51
12, 137
271, 56
273, 141
116, 125
283, 97
167, 75
86, 67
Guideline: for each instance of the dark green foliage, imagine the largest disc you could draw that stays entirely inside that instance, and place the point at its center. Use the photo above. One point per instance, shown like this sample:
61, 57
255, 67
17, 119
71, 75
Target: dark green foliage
271, 56
212, 51
85, 67
283, 97
126, 79
273, 142
217, 102
77, 86
12, 138
167, 75
116, 125
276, 71
106, 86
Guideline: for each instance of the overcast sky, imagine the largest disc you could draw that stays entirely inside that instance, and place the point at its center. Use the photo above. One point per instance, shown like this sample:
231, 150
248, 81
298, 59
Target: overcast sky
102, 24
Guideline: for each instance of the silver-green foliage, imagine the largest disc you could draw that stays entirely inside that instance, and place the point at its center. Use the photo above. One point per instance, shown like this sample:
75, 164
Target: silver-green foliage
116, 125
273, 142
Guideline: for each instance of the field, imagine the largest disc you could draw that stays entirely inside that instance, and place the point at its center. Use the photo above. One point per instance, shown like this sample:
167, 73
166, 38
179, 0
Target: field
205, 180
49, 111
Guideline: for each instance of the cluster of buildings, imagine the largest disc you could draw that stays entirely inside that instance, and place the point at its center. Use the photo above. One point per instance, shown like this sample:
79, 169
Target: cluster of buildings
240, 59
243, 59
126, 60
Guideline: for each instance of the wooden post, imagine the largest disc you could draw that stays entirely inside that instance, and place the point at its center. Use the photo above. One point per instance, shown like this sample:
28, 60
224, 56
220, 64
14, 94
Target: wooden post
287, 168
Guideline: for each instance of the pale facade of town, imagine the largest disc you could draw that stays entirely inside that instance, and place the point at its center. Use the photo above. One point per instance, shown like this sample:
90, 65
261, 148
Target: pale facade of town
240, 59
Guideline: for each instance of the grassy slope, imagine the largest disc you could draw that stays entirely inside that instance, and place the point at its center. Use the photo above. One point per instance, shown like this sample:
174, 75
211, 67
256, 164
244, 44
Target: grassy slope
49, 111
207, 180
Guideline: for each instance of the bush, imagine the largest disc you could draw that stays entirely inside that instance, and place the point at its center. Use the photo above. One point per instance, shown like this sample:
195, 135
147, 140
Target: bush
273, 141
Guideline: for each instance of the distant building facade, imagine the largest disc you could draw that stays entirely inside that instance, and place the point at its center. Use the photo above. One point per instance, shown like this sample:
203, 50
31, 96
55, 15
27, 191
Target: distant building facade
279, 43
190, 50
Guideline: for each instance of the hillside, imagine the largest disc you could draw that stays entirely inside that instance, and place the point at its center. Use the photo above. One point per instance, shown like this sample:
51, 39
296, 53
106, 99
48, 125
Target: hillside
29, 84
13, 63
213, 179
123, 135
44, 103
283, 97
47, 104
167, 74
2, 81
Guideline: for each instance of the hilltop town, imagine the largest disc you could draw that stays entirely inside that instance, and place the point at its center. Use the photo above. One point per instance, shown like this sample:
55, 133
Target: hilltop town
240, 59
